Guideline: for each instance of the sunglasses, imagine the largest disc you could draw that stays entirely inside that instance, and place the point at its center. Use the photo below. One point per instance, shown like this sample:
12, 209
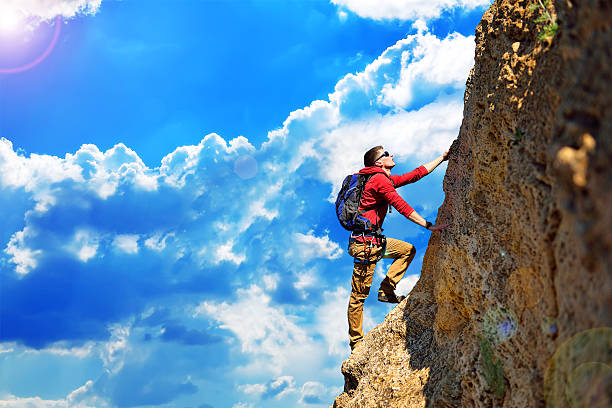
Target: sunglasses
385, 154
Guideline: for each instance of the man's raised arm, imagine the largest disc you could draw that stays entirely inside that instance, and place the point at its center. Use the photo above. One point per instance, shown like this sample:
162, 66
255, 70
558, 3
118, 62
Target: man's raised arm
435, 162
414, 216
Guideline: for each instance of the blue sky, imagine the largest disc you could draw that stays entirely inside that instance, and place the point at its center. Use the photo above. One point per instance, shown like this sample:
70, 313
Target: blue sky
167, 171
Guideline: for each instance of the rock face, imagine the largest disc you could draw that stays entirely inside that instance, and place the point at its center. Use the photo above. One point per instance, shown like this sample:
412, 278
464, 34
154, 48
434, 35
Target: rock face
514, 304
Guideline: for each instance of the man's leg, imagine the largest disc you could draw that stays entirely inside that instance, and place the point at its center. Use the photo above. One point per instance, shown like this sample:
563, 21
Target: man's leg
360, 288
403, 253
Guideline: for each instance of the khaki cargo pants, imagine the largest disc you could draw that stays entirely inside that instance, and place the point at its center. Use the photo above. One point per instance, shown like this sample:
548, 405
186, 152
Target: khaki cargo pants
401, 251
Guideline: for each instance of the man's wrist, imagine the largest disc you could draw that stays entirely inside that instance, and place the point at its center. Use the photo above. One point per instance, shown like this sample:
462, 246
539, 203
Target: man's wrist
428, 224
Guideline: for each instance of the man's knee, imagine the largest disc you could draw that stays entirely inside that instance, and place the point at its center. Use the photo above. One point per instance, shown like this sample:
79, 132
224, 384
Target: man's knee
408, 250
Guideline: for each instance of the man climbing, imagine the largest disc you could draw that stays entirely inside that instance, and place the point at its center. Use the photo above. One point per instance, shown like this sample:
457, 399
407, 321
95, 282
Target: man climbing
367, 245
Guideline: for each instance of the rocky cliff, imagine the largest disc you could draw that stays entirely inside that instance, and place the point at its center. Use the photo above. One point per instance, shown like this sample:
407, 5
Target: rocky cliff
514, 304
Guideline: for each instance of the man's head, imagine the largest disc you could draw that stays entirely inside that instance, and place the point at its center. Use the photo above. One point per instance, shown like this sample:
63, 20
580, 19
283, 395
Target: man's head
377, 156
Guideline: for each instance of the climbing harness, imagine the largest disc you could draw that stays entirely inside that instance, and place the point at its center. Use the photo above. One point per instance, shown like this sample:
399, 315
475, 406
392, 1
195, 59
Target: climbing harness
368, 245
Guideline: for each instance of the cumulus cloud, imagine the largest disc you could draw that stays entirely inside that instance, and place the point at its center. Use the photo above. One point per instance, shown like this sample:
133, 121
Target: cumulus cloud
406, 284
405, 100
113, 351
23, 257
107, 216
310, 246
63, 349
35, 11
313, 392
405, 9
35, 174
433, 61
270, 281
129, 239
261, 328
426, 132
127, 243
331, 323
275, 388
82, 397
157, 241
84, 244
305, 280
242, 405
225, 252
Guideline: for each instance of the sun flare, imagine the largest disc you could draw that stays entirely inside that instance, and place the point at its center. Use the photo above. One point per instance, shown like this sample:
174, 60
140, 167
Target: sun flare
10, 20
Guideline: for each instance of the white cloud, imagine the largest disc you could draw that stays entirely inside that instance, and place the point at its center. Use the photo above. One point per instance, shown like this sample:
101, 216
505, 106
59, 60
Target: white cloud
264, 330
24, 257
277, 388
253, 389
82, 397
12, 401
313, 392
114, 351
434, 61
185, 160
374, 107
84, 244
7, 347
242, 405
406, 284
35, 11
91, 169
405, 9
194, 211
282, 386
305, 279
365, 108
420, 134
309, 246
127, 243
420, 25
270, 281
225, 252
34, 173
62, 349
157, 241
331, 321
260, 327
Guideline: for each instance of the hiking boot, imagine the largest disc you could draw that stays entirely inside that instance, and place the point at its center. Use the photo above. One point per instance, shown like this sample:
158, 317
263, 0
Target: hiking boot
390, 297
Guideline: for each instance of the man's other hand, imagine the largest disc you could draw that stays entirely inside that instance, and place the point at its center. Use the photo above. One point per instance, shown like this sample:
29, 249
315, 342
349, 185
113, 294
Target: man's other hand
438, 227
445, 155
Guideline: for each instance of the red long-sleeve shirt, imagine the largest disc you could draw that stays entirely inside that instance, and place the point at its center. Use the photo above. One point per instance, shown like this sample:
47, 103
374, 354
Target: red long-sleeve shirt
379, 192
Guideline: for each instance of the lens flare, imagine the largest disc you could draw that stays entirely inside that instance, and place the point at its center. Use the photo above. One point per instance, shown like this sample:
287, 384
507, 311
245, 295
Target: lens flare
499, 324
245, 167
590, 385
10, 21
527, 286
41, 57
550, 327
579, 374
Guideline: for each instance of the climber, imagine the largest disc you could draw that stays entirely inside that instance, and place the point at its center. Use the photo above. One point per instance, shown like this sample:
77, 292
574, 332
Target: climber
367, 244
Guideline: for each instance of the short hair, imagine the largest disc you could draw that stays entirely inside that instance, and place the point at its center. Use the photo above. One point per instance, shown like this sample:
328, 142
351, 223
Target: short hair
371, 155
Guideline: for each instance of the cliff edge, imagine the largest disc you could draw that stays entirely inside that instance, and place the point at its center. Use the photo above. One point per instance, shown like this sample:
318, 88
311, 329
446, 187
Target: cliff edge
514, 304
